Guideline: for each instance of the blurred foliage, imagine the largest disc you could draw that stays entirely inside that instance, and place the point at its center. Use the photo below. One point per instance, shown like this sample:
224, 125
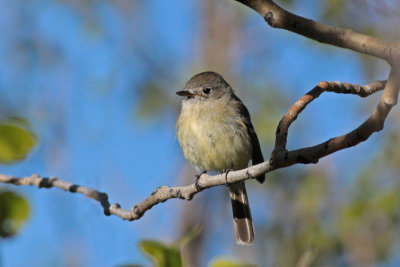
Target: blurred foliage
161, 254
16, 141
358, 229
14, 211
154, 100
189, 237
334, 9
224, 262
170, 255
269, 109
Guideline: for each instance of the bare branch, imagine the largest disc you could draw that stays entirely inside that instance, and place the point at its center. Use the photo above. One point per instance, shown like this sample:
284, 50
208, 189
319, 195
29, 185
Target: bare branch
42, 182
161, 194
336, 87
281, 158
278, 17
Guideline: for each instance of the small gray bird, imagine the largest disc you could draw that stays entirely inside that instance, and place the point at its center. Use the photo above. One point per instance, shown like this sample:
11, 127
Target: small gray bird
215, 133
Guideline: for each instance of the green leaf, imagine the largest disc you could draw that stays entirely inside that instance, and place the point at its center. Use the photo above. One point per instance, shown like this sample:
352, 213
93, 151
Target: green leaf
14, 210
223, 262
161, 254
15, 142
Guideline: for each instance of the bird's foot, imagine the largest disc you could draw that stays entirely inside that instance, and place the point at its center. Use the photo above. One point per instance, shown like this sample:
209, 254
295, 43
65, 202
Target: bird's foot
226, 171
196, 183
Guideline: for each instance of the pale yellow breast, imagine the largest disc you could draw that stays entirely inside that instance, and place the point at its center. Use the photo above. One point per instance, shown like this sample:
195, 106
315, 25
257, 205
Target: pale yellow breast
212, 136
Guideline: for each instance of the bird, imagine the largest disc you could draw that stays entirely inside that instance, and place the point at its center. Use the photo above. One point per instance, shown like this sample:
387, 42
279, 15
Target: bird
215, 133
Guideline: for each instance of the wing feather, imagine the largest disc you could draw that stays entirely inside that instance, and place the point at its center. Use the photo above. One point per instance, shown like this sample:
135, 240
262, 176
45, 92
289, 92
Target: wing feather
257, 156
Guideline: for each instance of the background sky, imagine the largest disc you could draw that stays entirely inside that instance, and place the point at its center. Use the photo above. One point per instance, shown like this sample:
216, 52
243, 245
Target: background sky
81, 72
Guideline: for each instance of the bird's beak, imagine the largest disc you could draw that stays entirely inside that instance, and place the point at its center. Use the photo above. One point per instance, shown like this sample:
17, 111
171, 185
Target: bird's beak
185, 93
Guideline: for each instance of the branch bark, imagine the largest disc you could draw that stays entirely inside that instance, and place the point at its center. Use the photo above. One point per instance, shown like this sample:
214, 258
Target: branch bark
337, 87
277, 17
280, 157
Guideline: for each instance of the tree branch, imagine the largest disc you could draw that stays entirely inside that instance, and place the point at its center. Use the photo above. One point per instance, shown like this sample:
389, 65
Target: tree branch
278, 17
337, 87
281, 158
161, 194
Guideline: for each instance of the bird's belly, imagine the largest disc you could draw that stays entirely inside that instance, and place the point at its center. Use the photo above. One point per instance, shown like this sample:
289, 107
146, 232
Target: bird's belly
215, 145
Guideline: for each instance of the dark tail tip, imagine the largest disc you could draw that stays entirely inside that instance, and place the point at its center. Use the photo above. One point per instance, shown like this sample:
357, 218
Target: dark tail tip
242, 222
243, 225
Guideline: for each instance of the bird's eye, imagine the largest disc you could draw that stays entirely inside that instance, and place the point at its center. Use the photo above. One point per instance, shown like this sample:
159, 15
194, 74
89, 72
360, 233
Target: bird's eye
207, 90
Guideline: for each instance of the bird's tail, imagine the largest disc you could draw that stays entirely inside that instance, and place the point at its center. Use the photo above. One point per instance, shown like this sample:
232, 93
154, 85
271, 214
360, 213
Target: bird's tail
242, 221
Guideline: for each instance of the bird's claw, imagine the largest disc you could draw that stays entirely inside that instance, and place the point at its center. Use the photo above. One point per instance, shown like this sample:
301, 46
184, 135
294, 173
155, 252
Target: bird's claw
196, 183
226, 171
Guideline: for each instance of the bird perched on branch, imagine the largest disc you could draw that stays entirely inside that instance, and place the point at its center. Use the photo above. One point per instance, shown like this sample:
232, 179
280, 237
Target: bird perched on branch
215, 133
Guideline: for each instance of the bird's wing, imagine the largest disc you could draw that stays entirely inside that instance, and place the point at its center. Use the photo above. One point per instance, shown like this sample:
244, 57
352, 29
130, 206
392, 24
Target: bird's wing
257, 156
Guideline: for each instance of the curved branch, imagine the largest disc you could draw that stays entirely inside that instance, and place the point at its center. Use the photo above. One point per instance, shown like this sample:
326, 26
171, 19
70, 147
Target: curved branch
161, 194
297, 108
280, 157
43, 182
278, 17
279, 160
